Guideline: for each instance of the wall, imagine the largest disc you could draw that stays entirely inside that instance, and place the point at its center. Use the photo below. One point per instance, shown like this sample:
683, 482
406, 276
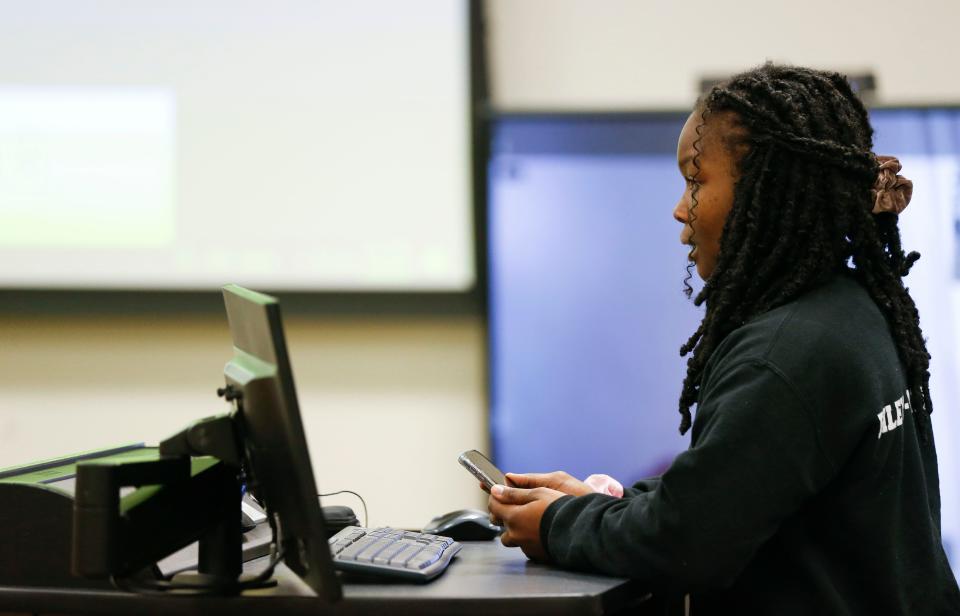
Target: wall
408, 386
572, 54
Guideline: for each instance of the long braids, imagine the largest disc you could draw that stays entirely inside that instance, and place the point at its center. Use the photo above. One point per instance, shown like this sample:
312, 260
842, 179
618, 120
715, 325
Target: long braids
801, 212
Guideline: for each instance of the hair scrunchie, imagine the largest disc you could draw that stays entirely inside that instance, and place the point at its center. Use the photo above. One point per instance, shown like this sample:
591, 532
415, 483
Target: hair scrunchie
891, 192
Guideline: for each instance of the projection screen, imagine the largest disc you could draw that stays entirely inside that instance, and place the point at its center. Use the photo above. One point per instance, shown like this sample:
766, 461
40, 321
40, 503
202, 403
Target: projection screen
295, 145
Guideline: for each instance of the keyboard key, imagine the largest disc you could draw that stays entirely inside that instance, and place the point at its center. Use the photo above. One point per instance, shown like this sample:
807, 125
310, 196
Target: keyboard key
352, 551
402, 555
426, 557
383, 558
338, 546
416, 548
373, 549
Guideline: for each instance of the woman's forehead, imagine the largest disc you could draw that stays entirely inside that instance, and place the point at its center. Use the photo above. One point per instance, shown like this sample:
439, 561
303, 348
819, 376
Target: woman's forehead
710, 129
688, 135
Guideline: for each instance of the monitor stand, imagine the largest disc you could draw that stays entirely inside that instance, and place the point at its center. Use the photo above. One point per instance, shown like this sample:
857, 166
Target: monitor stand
191, 493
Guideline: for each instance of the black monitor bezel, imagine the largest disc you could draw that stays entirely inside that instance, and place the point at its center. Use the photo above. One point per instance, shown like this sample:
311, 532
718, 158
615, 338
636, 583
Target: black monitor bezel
277, 459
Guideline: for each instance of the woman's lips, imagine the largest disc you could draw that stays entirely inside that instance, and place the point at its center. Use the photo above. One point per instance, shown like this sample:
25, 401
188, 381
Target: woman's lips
686, 240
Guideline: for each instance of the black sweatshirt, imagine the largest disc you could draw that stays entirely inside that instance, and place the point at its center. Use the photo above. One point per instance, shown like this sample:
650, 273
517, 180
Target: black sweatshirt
806, 488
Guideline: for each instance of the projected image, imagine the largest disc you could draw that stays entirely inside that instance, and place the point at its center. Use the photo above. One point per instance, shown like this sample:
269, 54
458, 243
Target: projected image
86, 166
586, 313
953, 197
586, 305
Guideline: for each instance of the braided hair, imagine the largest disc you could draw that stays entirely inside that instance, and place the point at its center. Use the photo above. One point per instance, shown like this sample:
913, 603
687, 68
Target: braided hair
786, 234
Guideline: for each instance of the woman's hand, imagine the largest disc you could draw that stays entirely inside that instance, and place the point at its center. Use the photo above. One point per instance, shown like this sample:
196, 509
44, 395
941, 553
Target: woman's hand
557, 480
562, 482
520, 511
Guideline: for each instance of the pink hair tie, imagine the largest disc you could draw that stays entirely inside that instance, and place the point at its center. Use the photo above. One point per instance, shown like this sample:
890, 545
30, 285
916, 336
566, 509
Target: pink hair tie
605, 484
891, 192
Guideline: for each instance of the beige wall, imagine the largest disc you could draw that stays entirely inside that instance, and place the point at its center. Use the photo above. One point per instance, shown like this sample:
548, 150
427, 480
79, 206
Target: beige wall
573, 54
409, 386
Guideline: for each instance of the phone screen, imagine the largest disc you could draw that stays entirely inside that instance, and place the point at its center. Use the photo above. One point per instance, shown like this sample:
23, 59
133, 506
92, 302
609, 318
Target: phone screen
482, 468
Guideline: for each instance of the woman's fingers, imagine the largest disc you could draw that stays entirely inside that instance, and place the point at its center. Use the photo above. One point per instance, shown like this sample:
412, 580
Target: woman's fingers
514, 496
557, 480
538, 480
503, 502
520, 480
499, 512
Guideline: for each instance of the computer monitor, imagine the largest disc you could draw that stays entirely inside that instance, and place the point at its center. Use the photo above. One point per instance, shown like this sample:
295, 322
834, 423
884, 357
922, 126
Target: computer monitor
192, 491
279, 472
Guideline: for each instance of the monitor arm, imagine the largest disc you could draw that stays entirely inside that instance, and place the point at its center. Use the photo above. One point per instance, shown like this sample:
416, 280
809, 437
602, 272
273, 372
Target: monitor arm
191, 493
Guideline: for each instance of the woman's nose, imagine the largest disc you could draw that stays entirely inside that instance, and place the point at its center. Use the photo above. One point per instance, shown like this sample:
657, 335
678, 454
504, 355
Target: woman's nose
680, 212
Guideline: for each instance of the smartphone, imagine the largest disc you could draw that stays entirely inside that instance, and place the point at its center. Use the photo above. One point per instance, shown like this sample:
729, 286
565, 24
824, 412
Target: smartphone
482, 468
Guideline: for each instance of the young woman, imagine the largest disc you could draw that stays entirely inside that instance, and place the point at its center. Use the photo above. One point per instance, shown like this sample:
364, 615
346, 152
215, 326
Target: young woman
810, 485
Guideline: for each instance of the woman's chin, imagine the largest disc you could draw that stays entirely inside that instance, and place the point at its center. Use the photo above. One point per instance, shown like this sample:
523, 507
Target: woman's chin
703, 270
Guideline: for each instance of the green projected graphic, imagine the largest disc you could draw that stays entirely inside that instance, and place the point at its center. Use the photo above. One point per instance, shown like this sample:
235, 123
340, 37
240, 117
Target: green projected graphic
86, 167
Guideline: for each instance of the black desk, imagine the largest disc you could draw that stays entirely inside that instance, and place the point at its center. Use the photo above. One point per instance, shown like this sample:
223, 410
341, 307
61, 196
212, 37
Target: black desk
485, 578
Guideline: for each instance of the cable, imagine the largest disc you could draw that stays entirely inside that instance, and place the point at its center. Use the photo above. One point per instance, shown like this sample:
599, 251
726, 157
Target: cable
362, 502
166, 586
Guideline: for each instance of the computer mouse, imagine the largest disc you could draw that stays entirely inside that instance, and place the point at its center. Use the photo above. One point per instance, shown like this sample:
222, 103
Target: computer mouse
464, 525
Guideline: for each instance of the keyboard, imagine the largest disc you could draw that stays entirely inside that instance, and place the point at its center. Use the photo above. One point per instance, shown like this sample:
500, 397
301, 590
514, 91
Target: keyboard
391, 552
